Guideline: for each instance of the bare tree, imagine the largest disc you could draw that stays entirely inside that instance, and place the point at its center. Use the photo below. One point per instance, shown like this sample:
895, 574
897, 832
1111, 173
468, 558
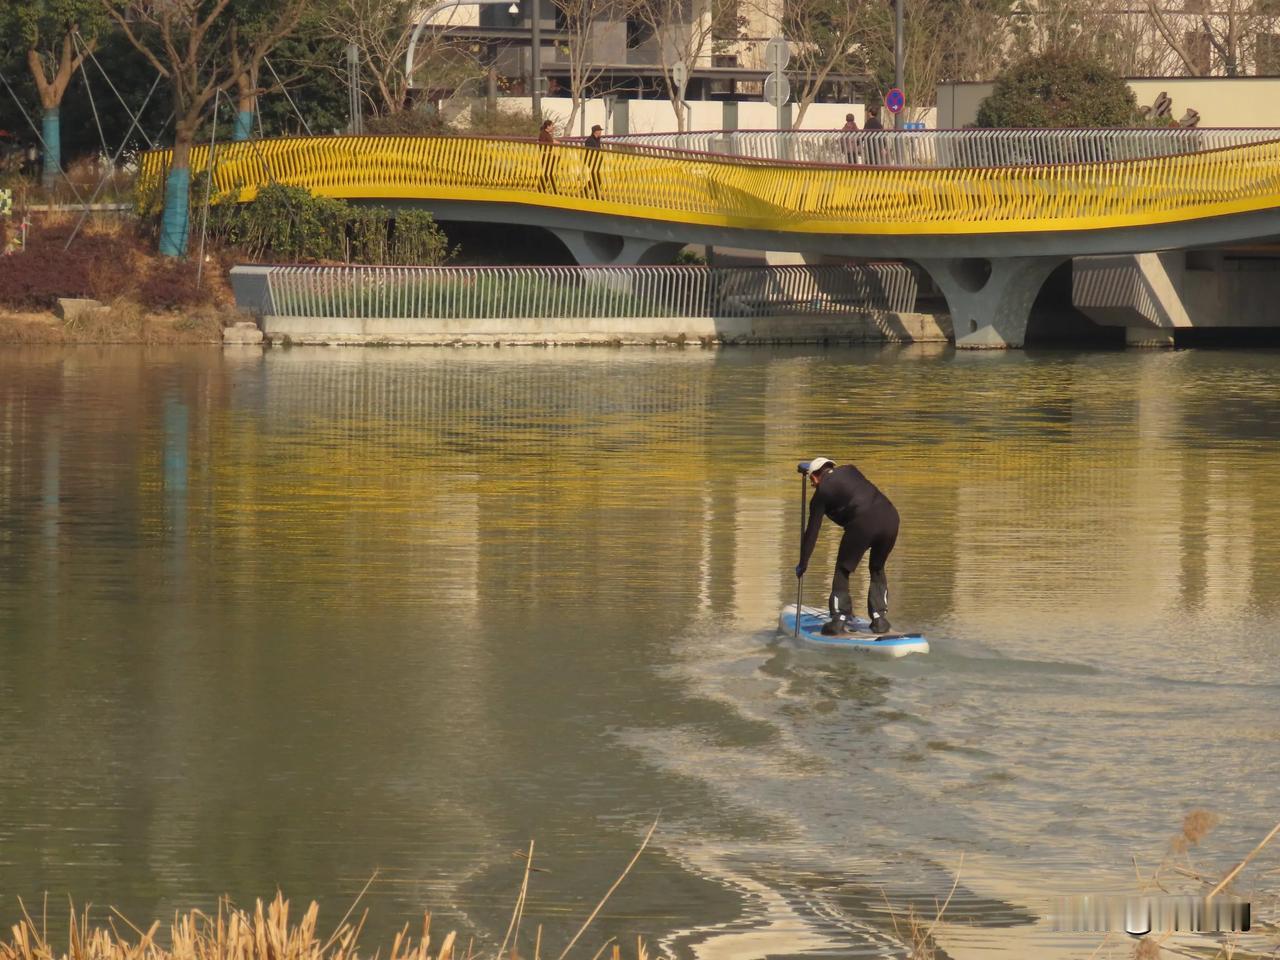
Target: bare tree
381, 30
1126, 39
193, 44
976, 41
827, 37
1199, 37
687, 32
1214, 26
578, 23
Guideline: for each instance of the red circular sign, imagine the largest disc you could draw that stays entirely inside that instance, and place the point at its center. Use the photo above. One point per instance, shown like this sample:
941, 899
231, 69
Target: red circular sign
895, 100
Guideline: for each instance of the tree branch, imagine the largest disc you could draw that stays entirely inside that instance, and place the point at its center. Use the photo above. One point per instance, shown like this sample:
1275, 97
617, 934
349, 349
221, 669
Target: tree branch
1171, 39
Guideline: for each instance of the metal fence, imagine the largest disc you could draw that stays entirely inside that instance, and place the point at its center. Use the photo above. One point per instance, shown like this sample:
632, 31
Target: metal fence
952, 148
746, 193
497, 293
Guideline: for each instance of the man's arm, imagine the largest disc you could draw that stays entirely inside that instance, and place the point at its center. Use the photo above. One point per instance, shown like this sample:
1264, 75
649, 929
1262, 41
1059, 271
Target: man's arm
810, 539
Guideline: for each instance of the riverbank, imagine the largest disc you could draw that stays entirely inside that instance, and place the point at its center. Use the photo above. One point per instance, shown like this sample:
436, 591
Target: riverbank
119, 322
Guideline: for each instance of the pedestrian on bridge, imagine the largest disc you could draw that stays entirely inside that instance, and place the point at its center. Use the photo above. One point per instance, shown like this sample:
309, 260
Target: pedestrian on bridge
547, 140
850, 141
875, 149
594, 145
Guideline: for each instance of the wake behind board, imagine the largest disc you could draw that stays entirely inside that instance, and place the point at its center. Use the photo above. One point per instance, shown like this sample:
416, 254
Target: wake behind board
864, 641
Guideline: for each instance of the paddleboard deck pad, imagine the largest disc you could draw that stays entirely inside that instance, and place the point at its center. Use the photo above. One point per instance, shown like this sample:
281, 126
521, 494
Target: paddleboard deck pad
862, 640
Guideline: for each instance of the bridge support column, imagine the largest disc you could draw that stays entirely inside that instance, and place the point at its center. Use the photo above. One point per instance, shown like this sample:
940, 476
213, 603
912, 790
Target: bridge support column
594, 249
990, 300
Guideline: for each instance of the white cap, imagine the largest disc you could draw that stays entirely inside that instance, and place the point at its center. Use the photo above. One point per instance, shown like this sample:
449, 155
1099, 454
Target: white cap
817, 463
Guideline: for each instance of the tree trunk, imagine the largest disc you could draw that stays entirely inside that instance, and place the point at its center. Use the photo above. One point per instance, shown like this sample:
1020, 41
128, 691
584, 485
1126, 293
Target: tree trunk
174, 226
51, 132
804, 107
246, 101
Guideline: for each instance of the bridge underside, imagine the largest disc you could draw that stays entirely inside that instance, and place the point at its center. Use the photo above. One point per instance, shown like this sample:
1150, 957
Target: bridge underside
989, 281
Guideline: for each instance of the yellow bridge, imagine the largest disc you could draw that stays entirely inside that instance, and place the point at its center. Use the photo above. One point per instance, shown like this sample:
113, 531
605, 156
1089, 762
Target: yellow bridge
1016, 220
746, 194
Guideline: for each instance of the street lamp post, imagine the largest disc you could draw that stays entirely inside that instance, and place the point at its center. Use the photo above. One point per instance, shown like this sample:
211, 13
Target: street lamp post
898, 66
421, 22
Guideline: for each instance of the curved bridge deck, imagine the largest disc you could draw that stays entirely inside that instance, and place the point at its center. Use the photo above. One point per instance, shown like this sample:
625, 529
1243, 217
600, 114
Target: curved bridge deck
1067, 208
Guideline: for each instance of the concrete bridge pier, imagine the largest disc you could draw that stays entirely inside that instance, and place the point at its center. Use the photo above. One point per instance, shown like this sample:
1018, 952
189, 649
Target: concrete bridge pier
990, 299
591, 248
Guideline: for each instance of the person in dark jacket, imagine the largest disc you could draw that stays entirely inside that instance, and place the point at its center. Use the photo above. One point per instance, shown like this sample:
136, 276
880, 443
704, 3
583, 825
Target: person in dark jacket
593, 144
869, 520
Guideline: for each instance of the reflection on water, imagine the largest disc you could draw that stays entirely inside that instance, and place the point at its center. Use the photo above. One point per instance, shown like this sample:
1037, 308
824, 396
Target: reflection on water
288, 618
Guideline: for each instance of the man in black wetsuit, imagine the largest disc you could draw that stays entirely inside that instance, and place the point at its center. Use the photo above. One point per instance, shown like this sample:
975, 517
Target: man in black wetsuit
869, 521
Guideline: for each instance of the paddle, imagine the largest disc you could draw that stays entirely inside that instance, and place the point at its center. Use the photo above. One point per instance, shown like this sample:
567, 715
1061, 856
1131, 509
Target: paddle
803, 468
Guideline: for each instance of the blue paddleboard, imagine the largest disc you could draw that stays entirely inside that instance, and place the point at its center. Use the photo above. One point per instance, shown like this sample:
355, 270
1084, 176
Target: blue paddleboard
864, 641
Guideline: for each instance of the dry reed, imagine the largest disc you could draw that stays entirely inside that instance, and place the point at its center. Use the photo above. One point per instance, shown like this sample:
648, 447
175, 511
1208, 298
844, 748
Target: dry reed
267, 933
916, 931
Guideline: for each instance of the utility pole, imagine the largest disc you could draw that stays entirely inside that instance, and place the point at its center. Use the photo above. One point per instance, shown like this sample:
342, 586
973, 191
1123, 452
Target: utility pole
898, 66
354, 104
535, 56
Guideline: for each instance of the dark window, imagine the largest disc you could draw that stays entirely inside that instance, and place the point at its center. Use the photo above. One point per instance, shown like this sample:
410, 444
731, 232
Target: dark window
726, 21
638, 32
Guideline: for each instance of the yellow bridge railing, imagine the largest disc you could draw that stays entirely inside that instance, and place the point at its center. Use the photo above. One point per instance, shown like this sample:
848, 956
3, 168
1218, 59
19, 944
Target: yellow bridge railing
758, 195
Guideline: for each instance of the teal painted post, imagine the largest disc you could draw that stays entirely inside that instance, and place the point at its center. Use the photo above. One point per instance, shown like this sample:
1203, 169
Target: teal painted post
52, 133
174, 227
244, 125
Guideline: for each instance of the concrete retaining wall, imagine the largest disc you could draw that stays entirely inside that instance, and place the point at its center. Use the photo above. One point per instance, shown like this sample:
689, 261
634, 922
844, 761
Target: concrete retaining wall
854, 328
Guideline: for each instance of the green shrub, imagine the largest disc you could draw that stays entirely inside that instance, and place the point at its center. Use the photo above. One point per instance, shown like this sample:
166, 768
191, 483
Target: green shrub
289, 224
1059, 90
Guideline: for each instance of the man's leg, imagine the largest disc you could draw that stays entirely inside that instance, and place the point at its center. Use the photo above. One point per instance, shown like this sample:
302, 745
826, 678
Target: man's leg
839, 603
882, 545
852, 546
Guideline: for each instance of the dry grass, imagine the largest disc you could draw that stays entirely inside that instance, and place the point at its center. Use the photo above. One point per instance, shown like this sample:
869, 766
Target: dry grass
81, 178
265, 933
268, 934
1195, 827
916, 931
1176, 869
123, 321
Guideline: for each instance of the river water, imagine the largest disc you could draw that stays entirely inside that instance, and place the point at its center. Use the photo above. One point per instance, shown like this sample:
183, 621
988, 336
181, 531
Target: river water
298, 618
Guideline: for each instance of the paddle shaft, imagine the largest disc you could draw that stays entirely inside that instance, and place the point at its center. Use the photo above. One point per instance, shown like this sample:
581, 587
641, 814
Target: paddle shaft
800, 579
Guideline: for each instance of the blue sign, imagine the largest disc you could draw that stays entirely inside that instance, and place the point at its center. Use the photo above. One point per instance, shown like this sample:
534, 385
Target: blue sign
895, 100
